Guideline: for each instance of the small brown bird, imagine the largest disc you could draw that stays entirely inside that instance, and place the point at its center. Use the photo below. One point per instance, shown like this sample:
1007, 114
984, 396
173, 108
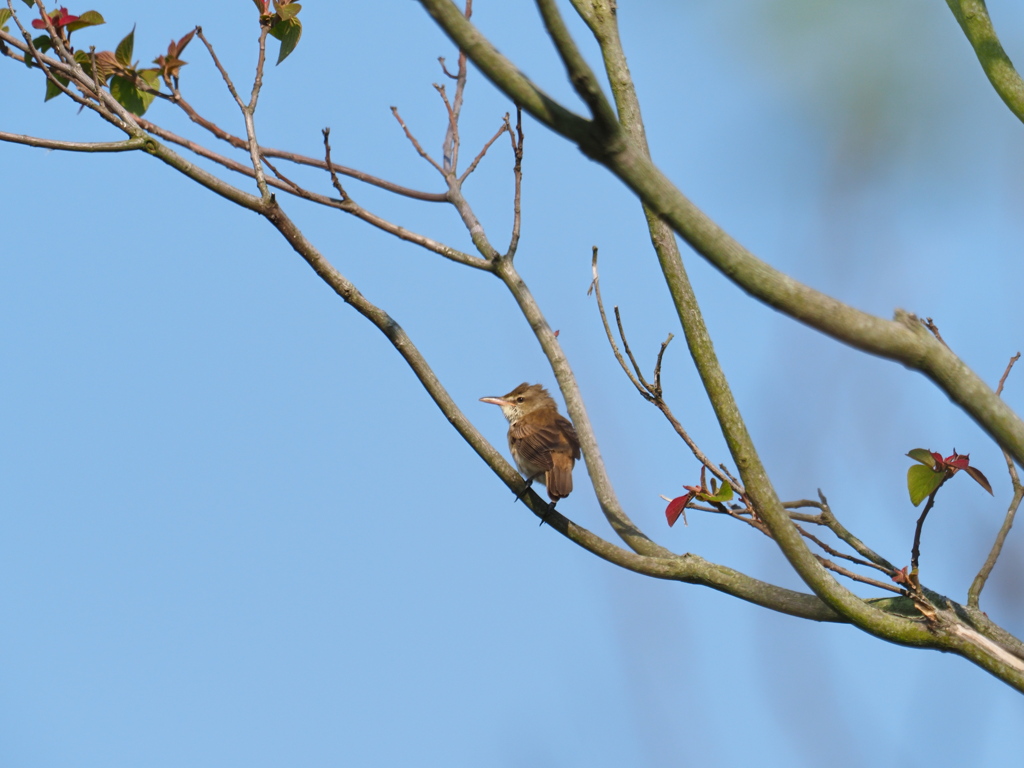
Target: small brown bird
543, 442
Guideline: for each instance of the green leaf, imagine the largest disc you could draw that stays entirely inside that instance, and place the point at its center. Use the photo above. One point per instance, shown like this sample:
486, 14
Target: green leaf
152, 79
51, 87
288, 31
129, 96
979, 478
5, 15
922, 482
724, 494
29, 3
123, 53
289, 11
43, 43
923, 456
87, 19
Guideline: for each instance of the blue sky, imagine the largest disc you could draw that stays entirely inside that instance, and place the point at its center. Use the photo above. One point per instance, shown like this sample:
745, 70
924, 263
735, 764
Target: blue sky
234, 530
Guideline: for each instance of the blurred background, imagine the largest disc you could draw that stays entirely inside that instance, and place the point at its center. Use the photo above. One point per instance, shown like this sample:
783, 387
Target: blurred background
234, 531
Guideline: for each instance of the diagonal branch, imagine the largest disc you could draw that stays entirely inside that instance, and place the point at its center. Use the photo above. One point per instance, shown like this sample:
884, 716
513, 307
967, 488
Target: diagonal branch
974, 593
580, 74
415, 143
972, 15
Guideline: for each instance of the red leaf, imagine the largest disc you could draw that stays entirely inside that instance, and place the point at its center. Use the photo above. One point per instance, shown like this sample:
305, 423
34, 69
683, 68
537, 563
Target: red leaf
979, 478
58, 19
675, 508
958, 461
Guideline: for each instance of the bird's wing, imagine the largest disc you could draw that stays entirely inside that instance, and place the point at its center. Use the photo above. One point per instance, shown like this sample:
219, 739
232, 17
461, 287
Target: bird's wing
569, 431
534, 443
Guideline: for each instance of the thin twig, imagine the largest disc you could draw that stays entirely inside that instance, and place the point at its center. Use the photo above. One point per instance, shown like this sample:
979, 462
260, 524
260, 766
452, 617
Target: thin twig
220, 68
1006, 373
517, 174
931, 326
352, 173
974, 593
444, 67
280, 175
828, 519
657, 364
408, 134
595, 287
313, 162
248, 110
629, 353
335, 181
645, 390
450, 146
856, 576
479, 157
836, 553
915, 550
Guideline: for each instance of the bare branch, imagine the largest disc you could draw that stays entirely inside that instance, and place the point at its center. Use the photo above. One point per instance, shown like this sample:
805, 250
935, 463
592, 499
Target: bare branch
1006, 374
517, 174
915, 550
580, 74
248, 110
450, 147
973, 18
974, 593
290, 187
480, 156
415, 194
313, 162
220, 68
651, 394
128, 145
335, 181
836, 553
856, 576
408, 134
595, 287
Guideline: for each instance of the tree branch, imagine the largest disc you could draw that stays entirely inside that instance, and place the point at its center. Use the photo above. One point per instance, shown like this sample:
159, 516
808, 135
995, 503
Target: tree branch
974, 593
973, 18
902, 339
128, 145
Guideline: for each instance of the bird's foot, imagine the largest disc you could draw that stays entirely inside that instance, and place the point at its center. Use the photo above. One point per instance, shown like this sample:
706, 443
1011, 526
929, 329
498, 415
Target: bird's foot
547, 511
523, 492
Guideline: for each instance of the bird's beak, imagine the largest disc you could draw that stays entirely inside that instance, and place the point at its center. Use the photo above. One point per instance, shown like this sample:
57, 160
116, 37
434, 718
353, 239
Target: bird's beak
494, 401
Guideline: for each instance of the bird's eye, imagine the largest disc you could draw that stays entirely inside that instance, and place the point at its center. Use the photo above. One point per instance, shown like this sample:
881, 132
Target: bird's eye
519, 399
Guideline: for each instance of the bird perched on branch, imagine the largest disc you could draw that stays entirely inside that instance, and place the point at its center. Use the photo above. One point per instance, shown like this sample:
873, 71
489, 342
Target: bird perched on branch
543, 443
